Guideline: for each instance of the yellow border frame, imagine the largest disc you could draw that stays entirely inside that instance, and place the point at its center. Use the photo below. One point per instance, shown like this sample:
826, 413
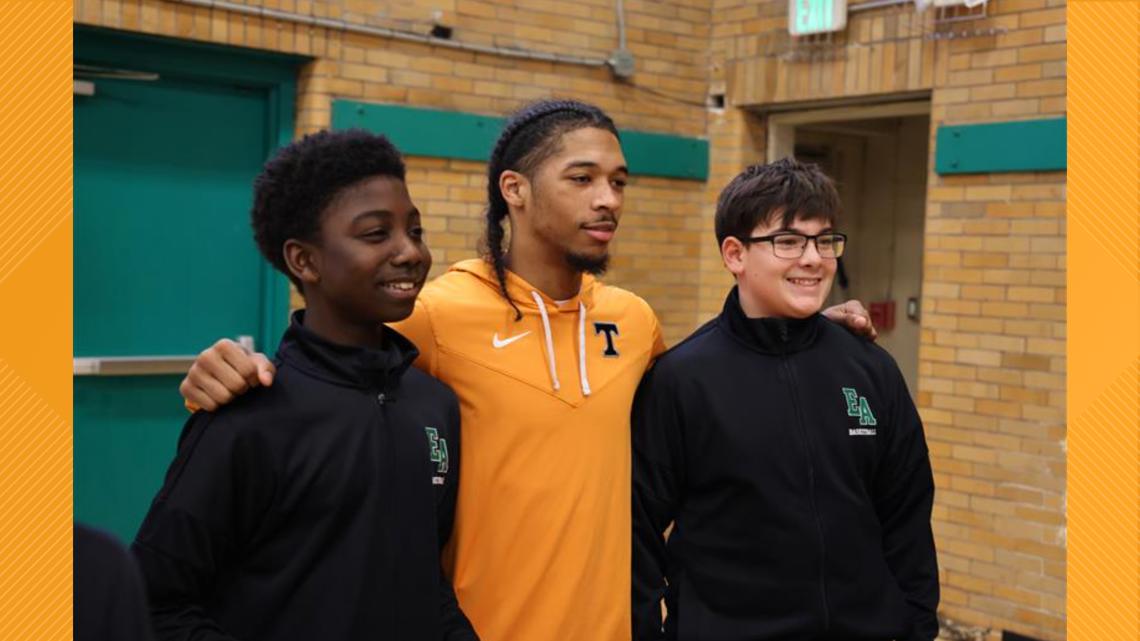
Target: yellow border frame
1104, 320
35, 325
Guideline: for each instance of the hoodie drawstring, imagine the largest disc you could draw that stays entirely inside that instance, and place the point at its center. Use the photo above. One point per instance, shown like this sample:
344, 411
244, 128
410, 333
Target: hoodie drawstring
582, 349
583, 380
549, 340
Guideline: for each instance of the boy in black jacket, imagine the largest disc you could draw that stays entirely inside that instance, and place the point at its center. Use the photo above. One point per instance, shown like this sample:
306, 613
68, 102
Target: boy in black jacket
786, 452
316, 508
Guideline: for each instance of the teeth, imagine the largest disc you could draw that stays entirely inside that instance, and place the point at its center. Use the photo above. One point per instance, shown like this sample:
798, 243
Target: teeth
803, 281
401, 286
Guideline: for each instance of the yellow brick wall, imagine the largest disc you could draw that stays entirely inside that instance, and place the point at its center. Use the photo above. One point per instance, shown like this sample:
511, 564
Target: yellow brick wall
991, 359
656, 253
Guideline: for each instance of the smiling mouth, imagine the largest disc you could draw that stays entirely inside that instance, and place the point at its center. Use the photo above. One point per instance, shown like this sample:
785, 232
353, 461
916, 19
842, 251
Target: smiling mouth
805, 282
402, 288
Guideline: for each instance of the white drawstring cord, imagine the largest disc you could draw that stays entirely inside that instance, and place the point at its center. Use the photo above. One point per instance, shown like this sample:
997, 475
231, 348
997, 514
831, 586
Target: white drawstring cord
582, 348
549, 339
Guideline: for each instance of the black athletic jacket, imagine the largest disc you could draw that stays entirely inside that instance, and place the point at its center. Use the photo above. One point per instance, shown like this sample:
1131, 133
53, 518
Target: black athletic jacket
792, 462
314, 508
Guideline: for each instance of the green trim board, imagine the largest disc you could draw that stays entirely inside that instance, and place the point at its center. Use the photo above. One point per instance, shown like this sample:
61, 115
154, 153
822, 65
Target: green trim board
438, 133
1022, 145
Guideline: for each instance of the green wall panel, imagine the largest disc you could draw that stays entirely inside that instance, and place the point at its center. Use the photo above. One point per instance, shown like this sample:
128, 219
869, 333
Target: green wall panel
1024, 145
452, 134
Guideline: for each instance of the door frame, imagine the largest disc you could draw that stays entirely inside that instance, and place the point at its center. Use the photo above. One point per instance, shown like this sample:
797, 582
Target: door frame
782, 125
217, 64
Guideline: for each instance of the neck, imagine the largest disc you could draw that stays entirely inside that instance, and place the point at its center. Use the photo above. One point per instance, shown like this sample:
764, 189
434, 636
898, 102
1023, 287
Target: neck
324, 321
750, 307
547, 271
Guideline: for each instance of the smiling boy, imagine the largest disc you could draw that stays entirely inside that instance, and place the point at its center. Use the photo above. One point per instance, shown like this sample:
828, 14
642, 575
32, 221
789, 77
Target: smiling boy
786, 452
316, 508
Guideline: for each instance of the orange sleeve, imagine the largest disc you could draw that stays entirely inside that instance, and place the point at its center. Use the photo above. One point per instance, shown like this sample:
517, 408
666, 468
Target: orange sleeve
418, 329
658, 339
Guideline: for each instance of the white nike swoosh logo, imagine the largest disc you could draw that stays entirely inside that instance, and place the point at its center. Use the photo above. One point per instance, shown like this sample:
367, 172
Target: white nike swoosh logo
506, 341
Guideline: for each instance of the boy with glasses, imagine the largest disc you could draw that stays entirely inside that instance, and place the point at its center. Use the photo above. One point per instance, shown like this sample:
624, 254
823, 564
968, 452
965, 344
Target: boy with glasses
786, 452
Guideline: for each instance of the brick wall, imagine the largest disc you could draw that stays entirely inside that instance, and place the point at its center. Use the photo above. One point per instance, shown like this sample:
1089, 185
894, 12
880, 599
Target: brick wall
656, 254
992, 360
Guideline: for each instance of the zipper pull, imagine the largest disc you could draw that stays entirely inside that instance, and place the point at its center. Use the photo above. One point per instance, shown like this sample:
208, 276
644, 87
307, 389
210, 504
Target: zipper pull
381, 398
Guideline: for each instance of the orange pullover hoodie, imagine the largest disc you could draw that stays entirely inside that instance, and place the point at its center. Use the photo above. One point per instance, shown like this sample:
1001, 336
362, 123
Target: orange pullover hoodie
541, 545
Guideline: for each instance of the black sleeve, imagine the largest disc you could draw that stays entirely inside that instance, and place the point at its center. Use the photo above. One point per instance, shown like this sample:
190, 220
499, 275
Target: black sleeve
658, 479
904, 497
215, 493
456, 627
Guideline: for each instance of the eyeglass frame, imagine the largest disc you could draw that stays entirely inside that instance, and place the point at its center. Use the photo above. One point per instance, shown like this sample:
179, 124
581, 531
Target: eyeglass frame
814, 240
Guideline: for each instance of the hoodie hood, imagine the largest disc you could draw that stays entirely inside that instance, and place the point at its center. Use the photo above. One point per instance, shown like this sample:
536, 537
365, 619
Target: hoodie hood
522, 292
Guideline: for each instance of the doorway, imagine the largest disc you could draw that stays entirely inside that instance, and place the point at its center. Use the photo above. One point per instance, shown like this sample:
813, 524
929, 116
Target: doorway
878, 156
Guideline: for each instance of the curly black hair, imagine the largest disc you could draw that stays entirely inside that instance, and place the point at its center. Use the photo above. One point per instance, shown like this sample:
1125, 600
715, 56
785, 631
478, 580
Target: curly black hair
531, 135
786, 188
301, 179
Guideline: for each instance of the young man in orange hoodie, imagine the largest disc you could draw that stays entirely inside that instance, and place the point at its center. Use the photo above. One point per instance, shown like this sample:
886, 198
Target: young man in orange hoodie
545, 360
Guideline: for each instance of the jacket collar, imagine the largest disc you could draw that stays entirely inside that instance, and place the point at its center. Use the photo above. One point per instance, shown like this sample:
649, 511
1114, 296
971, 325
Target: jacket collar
768, 335
360, 367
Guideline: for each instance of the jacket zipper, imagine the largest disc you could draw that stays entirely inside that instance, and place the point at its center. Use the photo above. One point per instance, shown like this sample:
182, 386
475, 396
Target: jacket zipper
785, 362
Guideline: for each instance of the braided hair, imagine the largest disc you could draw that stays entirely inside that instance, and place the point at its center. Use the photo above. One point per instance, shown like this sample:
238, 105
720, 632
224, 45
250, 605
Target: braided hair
531, 136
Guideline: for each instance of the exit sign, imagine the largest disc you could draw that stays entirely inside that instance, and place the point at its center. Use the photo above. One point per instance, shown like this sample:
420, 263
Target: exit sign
806, 17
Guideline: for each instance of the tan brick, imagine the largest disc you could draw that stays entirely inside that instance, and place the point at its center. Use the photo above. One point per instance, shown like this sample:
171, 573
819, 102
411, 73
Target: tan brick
1042, 18
1038, 88
1041, 53
1005, 309
1016, 107
1018, 72
989, 192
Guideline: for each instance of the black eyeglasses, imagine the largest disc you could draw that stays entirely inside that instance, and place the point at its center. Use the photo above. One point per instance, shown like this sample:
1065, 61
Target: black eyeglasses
789, 244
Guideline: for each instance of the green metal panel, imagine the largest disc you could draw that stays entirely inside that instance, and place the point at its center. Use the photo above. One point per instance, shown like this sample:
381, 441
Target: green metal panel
165, 262
465, 136
1024, 145
126, 432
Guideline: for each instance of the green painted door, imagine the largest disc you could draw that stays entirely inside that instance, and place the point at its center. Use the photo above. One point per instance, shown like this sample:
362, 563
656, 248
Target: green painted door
165, 262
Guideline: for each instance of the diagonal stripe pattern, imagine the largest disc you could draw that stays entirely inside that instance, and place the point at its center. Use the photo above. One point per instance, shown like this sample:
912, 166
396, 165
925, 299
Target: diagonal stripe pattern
35, 201
35, 499
1103, 595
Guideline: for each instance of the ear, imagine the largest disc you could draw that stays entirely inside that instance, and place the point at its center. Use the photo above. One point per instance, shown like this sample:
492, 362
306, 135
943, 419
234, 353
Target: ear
733, 253
303, 260
514, 187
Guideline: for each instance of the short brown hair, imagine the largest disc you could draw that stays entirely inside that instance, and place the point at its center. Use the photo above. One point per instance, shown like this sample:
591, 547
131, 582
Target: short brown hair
787, 188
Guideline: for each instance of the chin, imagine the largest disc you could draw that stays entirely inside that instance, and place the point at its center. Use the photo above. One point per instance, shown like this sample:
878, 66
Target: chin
394, 313
804, 310
595, 265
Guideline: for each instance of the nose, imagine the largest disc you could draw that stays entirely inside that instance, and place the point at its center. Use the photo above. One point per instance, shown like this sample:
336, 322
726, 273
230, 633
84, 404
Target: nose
811, 253
608, 197
410, 252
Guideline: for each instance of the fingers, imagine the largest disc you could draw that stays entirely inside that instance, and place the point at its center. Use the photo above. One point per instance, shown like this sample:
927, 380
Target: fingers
852, 315
265, 369
233, 367
196, 398
222, 372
